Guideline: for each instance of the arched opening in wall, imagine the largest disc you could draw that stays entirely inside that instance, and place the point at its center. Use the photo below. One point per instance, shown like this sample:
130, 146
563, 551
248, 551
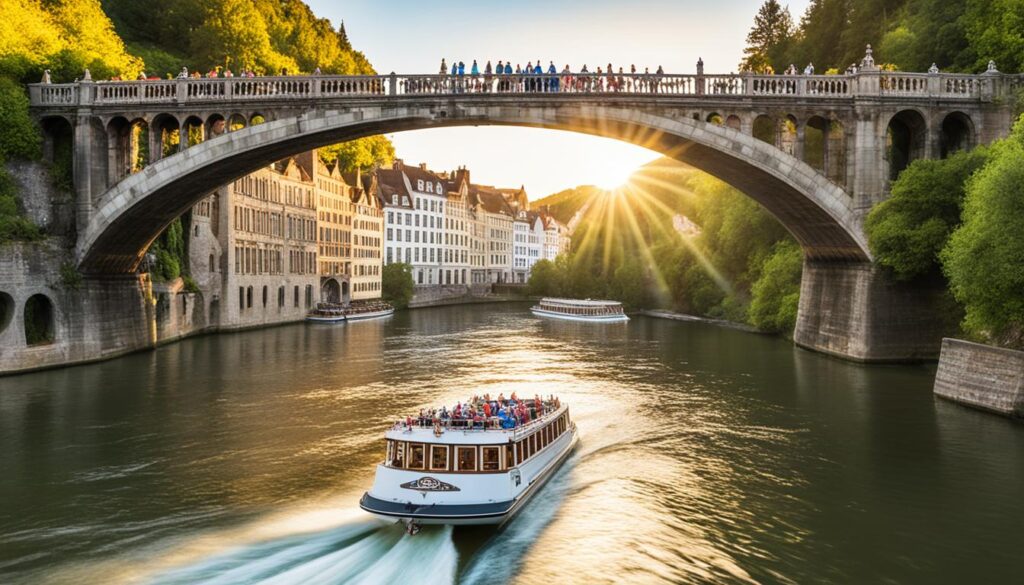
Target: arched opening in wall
39, 317
764, 129
257, 119
836, 152
904, 141
119, 149
215, 126
194, 131
214, 312
957, 134
715, 119
236, 122
212, 267
166, 136
734, 122
58, 150
138, 148
788, 135
296, 300
330, 291
6, 311
816, 143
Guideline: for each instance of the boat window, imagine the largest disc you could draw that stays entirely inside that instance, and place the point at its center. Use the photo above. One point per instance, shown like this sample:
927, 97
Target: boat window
534, 444
415, 456
524, 447
467, 458
510, 459
520, 452
399, 459
491, 458
439, 457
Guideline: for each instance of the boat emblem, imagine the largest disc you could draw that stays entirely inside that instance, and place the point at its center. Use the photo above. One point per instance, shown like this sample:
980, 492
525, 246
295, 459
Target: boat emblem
429, 484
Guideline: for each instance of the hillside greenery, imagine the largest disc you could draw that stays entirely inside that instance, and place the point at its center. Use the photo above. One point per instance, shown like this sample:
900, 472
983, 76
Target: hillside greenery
956, 35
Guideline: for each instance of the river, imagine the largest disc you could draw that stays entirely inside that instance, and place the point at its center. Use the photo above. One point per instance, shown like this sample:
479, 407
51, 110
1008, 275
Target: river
706, 455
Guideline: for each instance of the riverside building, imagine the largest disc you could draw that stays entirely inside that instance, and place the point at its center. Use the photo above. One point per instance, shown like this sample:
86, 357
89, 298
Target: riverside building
478, 234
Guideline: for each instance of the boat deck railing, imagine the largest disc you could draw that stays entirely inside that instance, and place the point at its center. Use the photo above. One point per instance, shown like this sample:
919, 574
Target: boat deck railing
489, 424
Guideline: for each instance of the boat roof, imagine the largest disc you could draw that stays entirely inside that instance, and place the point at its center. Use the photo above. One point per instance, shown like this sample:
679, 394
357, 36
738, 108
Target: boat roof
460, 436
581, 302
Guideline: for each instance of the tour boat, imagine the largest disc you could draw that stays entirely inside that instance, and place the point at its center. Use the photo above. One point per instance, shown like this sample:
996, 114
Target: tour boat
452, 471
580, 310
326, 313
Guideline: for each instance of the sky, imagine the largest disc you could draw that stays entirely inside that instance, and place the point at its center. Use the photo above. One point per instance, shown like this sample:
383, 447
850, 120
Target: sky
411, 36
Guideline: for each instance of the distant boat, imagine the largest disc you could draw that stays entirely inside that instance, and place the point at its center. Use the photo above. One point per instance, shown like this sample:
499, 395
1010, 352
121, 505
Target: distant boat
581, 310
358, 311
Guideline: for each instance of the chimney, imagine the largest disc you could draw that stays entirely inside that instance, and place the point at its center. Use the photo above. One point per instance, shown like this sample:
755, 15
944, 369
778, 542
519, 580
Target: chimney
423, 166
397, 165
462, 173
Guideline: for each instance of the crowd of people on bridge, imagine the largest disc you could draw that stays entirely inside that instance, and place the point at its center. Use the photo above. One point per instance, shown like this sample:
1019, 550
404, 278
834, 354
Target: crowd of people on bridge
535, 77
484, 412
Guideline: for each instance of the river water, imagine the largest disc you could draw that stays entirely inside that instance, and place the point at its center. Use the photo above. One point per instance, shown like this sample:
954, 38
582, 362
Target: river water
706, 455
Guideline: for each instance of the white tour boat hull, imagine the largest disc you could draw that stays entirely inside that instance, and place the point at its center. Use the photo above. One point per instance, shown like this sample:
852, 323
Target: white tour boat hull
319, 319
373, 315
412, 506
589, 318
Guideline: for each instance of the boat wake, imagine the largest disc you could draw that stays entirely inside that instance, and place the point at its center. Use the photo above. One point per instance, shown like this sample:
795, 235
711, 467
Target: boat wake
358, 553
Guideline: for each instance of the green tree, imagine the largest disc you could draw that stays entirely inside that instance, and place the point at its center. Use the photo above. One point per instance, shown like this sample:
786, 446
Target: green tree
907, 231
20, 137
545, 280
772, 30
362, 153
984, 256
776, 294
994, 31
397, 285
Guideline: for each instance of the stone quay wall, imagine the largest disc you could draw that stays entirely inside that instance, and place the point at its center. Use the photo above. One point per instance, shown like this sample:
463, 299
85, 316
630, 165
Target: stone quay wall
982, 376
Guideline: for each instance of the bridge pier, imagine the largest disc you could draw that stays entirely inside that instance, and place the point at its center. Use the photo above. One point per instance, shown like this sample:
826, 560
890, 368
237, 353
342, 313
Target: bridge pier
856, 311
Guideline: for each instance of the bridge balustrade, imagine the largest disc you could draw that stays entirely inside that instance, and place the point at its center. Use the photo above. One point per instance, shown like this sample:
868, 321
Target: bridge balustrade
199, 90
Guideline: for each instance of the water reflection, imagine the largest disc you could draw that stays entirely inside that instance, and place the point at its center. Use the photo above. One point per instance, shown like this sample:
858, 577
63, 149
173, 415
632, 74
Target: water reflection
706, 455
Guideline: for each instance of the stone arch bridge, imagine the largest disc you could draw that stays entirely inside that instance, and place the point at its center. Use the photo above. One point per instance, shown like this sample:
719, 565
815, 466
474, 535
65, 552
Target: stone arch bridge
816, 151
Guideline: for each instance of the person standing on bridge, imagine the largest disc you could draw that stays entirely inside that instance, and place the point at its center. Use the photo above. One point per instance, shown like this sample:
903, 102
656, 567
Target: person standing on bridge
444, 67
553, 80
499, 72
488, 72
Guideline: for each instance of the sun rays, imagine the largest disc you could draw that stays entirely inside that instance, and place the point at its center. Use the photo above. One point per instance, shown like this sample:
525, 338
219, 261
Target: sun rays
633, 220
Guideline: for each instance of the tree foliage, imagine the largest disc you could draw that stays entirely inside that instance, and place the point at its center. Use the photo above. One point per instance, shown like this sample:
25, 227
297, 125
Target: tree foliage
768, 38
909, 34
776, 294
362, 153
65, 36
907, 231
984, 256
397, 285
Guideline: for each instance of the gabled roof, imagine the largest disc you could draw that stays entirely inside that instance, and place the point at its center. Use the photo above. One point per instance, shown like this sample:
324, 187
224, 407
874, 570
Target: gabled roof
491, 200
289, 168
392, 182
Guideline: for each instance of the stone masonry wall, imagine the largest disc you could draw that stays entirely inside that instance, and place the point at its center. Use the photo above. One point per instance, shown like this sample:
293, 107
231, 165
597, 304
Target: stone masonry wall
990, 378
856, 311
92, 318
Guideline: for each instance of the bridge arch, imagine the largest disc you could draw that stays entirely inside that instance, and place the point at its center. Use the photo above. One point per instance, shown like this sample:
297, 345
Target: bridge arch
906, 140
130, 215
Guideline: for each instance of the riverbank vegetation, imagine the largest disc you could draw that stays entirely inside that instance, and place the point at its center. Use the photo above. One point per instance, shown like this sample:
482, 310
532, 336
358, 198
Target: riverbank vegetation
633, 245
397, 285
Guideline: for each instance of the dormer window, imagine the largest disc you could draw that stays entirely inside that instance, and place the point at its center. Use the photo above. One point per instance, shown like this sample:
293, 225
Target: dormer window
419, 185
405, 201
439, 187
394, 200
430, 187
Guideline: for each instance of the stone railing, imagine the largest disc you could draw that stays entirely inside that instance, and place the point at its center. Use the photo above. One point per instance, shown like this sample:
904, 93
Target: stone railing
204, 90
